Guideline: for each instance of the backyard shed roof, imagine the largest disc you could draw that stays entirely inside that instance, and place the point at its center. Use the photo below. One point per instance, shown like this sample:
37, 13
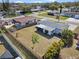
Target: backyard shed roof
6, 55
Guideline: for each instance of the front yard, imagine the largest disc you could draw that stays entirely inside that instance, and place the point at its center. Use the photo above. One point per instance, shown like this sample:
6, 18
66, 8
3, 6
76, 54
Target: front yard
46, 15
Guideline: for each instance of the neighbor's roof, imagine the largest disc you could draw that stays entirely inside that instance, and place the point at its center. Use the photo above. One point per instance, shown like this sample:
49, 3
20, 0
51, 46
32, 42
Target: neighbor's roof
2, 50
73, 13
24, 19
52, 25
6, 55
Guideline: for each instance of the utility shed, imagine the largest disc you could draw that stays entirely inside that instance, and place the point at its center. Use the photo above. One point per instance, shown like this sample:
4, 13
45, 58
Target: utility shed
49, 27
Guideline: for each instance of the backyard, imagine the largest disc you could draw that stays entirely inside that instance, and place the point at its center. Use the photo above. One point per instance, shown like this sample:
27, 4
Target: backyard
24, 36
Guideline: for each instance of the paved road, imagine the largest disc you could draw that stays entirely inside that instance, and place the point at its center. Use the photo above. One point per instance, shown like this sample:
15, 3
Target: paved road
36, 15
11, 18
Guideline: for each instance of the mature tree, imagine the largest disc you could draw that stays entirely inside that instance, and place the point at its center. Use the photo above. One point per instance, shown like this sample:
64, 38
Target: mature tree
67, 37
61, 7
53, 7
53, 51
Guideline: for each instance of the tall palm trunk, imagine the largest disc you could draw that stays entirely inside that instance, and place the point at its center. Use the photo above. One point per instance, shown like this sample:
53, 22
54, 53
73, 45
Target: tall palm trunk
6, 6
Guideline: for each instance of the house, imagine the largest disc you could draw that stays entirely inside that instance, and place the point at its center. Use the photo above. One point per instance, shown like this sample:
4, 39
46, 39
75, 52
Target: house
65, 9
37, 8
4, 53
73, 13
24, 21
15, 6
50, 28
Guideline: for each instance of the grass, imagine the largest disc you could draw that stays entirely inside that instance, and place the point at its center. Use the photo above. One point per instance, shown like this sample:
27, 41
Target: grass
46, 15
28, 13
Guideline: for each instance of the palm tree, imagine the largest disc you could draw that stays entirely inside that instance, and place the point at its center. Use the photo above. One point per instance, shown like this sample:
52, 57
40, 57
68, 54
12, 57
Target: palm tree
58, 16
6, 6
61, 6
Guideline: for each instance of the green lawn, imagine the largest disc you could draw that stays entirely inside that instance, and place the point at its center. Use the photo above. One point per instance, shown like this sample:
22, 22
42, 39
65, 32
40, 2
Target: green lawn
46, 15
10, 16
28, 13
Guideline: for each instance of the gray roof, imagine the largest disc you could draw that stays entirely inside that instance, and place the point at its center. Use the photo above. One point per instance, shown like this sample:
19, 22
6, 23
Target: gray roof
45, 27
6, 55
54, 24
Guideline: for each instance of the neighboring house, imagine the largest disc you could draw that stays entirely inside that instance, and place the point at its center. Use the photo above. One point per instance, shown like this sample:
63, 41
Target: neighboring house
15, 6
50, 28
24, 21
4, 53
37, 8
65, 9
73, 12
74, 9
